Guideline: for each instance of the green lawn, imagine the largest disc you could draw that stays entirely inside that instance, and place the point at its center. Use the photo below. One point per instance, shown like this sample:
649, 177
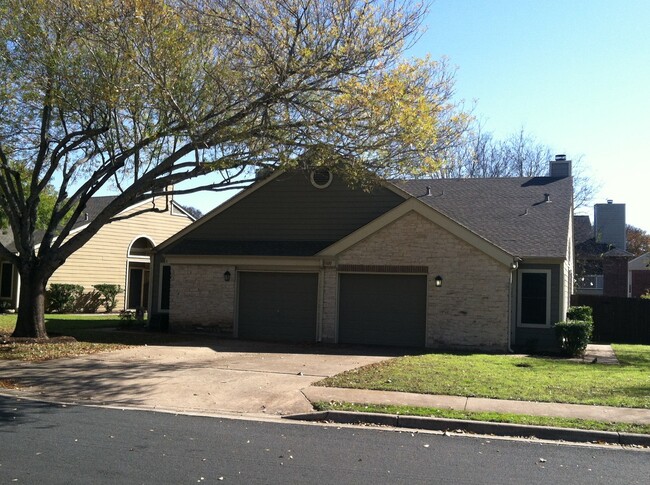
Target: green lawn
91, 334
486, 416
512, 377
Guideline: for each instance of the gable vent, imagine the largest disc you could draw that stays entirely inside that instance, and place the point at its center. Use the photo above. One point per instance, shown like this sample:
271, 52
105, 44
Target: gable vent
321, 178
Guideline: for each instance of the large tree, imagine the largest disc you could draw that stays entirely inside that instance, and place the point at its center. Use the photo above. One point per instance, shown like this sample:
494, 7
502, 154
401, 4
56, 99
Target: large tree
139, 95
481, 155
638, 240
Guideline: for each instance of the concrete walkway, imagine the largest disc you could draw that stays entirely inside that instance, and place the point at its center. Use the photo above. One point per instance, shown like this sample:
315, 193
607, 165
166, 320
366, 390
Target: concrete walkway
558, 410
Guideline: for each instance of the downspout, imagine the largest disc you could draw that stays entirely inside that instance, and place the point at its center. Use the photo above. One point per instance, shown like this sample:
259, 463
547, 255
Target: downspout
513, 269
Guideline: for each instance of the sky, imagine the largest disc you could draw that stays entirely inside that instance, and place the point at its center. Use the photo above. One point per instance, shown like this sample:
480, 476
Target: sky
574, 74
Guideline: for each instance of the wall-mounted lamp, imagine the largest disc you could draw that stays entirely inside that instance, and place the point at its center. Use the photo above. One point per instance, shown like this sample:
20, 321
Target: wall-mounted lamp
438, 281
226, 276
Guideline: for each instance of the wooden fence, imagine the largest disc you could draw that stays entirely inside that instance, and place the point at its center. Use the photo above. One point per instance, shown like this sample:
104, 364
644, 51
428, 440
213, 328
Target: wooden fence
618, 320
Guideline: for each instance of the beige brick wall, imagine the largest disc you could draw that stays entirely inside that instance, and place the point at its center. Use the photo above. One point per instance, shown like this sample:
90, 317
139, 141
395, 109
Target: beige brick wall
470, 310
329, 310
199, 297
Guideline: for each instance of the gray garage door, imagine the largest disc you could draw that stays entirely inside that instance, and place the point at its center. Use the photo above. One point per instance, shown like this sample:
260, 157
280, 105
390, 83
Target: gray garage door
278, 306
382, 309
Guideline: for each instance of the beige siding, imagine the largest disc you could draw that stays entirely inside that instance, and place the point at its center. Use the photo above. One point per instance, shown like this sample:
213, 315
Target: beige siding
103, 259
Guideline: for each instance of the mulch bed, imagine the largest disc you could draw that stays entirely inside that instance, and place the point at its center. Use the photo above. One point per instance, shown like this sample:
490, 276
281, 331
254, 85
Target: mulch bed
6, 338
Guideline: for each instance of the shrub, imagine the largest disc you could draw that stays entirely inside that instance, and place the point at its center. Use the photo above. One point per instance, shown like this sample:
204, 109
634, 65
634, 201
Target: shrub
646, 295
62, 297
573, 336
580, 313
5, 306
88, 302
109, 293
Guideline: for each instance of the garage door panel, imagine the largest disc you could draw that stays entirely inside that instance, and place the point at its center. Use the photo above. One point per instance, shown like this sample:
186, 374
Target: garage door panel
382, 309
278, 306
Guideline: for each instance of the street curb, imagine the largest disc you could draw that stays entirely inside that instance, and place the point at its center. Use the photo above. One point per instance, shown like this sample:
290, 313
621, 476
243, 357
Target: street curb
477, 427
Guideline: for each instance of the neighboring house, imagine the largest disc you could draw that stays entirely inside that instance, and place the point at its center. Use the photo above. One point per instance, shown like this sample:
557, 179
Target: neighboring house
300, 256
601, 259
118, 254
639, 275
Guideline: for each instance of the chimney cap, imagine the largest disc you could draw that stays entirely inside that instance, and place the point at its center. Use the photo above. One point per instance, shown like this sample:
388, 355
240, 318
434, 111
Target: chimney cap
561, 157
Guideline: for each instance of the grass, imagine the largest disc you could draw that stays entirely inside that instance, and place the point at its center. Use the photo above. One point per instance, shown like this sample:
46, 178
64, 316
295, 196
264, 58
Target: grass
512, 377
91, 334
486, 416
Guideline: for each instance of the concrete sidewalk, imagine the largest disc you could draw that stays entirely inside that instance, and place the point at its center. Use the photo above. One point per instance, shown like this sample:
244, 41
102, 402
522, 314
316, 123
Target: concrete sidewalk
558, 410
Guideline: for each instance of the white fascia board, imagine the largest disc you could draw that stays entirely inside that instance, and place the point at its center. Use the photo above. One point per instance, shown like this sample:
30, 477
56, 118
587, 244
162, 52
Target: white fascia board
414, 205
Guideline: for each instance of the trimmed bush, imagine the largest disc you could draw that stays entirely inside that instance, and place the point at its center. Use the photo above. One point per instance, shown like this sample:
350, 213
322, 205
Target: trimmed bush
109, 293
63, 297
580, 313
573, 336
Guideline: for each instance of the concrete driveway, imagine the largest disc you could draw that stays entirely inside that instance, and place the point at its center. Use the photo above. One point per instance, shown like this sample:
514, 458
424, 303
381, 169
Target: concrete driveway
228, 376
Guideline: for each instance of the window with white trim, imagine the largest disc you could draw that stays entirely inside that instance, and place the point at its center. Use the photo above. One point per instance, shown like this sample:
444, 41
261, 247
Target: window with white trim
534, 309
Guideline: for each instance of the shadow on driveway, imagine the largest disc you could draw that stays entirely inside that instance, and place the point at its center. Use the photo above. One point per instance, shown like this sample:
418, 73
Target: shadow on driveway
202, 376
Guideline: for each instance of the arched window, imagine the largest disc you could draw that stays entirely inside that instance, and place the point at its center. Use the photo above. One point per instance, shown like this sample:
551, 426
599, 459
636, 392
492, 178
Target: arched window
141, 247
137, 281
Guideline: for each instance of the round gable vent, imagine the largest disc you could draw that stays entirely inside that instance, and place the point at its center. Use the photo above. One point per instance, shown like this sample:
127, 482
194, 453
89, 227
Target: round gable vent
321, 178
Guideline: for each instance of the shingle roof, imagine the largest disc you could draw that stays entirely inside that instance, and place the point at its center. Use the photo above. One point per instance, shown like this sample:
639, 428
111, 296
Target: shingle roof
511, 213
582, 229
7, 240
93, 208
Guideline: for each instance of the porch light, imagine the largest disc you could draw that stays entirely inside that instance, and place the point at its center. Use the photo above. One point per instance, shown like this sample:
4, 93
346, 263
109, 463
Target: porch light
226, 276
438, 281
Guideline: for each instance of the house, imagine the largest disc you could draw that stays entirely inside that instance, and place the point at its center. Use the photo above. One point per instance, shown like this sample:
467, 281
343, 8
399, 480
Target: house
601, 258
639, 275
446, 263
118, 254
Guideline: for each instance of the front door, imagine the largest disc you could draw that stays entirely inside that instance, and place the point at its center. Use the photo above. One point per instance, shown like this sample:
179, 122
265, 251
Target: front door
138, 293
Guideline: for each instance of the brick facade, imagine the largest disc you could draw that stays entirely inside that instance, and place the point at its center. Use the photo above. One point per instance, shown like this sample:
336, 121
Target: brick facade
470, 310
200, 297
640, 282
615, 276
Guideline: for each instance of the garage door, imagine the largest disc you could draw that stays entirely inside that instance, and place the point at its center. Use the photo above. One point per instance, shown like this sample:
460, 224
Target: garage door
278, 306
382, 309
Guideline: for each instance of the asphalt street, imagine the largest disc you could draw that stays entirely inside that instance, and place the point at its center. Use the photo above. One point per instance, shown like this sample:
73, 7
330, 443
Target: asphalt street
46, 443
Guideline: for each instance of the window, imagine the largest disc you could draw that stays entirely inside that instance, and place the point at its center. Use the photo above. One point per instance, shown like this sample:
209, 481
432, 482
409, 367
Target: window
534, 298
590, 282
165, 286
141, 247
6, 280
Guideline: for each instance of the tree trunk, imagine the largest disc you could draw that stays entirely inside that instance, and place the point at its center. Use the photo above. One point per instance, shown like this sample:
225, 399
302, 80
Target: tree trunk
31, 306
